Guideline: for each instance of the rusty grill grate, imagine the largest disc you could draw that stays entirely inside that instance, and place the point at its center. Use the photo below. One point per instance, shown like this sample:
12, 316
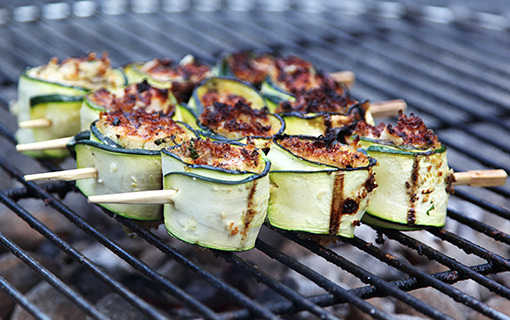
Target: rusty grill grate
450, 63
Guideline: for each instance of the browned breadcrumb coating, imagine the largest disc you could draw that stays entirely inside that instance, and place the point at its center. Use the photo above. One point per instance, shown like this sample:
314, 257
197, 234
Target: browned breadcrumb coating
323, 99
232, 116
89, 72
249, 66
220, 155
410, 131
140, 129
326, 151
135, 96
183, 77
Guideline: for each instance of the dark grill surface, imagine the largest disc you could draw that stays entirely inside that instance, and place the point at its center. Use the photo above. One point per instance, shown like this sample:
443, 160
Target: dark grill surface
449, 62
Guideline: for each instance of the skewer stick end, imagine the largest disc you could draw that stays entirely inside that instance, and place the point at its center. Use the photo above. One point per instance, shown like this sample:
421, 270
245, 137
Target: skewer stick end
141, 197
481, 178
35, 123
44, 145
66, 175
346, 77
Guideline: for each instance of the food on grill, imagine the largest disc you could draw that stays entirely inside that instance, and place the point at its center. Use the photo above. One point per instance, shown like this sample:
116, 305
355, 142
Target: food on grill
123, 146
248, 66
413, 174
54, 92
180, 78
232, 109
318, 185
222, 193
132, 97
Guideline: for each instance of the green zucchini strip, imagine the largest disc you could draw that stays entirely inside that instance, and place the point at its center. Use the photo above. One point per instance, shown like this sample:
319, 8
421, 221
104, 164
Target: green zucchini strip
59, 103
412, 185
215, 208
314, 197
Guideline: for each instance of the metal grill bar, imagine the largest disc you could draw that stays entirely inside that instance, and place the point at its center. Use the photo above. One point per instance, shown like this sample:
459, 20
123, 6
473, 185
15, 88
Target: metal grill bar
432, 254
137, 264
255, 308
277, 286
43, 272
19, 298
366, 277
325, 43
429, 280
330, 286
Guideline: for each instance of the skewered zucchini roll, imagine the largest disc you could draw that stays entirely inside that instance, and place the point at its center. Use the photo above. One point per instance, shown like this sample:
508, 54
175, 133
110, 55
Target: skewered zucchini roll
180, 78
231, 109
222, 193
318, 185
413, 175
247, 66
124, 147
135, 96
55, 92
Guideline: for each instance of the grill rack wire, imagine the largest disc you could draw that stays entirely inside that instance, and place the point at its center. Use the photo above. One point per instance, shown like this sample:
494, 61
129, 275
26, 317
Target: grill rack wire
452, 70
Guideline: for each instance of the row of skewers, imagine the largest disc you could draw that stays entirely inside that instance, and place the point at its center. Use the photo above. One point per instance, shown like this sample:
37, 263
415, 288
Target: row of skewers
217, 152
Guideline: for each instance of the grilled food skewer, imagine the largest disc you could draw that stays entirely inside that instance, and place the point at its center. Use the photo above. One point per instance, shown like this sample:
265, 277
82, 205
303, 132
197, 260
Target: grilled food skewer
346, 77
60, 143
475, 178
65, 175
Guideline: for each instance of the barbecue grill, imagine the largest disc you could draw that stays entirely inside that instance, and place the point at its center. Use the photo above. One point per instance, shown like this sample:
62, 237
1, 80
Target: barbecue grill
450, 63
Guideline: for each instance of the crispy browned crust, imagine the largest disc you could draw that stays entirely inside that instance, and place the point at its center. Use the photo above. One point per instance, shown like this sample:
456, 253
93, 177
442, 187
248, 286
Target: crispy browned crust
323, 99
139, 124
219, 155
250, 67
184, 78
411, 130
233, 114
326, 151
136, 96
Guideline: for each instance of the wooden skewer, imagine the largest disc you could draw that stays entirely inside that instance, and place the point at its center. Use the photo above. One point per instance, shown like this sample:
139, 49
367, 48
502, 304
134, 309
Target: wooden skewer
477, 178
481, 178
141, 197
44, 145
66, 175
387, 108
35, 123
346, 77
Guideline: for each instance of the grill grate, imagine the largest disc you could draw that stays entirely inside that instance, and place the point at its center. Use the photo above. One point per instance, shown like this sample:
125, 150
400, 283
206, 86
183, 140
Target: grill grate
451, 68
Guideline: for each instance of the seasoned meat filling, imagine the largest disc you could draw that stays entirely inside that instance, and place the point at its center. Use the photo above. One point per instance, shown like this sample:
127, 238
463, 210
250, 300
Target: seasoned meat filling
326, 151
138, 129
323, 99
410, 131
220, 155
232, 116
184, 77
249, 66
135, 96
88, 72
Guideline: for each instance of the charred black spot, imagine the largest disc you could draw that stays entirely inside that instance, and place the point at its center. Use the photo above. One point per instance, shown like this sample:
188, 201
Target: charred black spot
350, 206
116, 121
143, 86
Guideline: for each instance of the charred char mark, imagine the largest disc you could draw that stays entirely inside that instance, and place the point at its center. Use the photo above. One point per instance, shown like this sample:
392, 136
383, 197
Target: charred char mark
337, 204
413, 186
370, 184
251, 212
350, 206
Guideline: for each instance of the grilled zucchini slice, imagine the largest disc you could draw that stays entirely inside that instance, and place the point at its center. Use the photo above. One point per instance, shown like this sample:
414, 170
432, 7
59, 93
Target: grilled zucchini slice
315, 197
215, 207
54, 93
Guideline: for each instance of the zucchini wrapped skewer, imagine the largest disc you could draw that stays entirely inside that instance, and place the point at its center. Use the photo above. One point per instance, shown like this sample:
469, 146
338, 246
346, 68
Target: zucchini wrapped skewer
318, 186
285, 79
230, 109
180, 78
121, 154
50, 97
413, 174
135, 96
220, 194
